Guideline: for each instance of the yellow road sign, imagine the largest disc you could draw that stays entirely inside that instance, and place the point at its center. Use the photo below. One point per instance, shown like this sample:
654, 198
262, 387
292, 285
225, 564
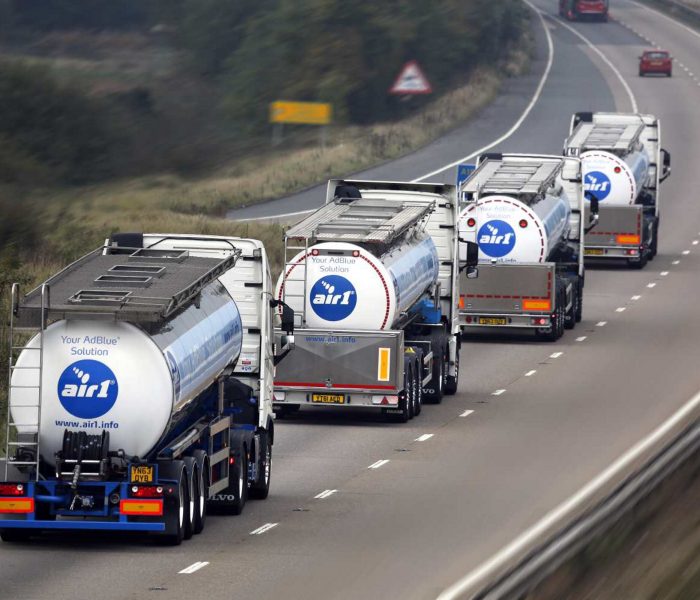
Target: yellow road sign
308, 113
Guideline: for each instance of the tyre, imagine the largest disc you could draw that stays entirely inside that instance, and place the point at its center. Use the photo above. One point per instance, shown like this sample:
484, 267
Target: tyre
197, 504
570, 315
654, 246
239, 487
452, 382
435, 392
260, 489
639, 264
578, 313
557, 329
418, 407
14, 535
178, 511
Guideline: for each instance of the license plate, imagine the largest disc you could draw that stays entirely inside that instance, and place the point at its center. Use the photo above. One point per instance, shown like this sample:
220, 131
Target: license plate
142, 474
493, 321
594, 251
328, 398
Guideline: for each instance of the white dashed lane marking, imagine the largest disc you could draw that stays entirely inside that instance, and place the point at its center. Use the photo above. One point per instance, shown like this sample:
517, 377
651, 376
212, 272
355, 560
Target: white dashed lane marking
378, 464
466, 413
581, 339
531, 373
651, 285
497, 392
193, 567
620, 309
686, 252
676, 262
601, 323
635, 297
325, 494
555, 355
663, 273
263, 528
424, 437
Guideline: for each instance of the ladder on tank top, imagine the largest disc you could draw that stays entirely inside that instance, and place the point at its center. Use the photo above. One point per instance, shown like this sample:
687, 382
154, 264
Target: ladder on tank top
22, 434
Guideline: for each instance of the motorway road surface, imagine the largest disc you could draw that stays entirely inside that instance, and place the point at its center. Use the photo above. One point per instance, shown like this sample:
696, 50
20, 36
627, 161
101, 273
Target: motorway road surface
494, 464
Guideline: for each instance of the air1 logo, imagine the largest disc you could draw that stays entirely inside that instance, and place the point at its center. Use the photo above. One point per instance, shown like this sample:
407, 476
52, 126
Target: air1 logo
87, 389
496, 238
598, 184
333, 298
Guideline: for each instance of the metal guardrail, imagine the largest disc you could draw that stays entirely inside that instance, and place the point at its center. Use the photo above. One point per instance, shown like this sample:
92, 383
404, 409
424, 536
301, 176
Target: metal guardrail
521, 566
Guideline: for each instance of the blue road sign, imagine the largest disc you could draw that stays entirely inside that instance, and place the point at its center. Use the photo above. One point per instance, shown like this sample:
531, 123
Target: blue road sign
464, 172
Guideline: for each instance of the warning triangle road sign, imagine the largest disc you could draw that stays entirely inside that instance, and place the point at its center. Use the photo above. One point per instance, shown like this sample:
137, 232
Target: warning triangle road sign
411, 80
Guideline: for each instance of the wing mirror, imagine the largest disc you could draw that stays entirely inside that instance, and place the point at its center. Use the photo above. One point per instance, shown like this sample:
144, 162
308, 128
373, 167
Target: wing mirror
287, 317
594, 209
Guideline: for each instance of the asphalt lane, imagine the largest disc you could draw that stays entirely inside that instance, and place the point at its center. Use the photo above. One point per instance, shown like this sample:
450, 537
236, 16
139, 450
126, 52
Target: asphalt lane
439, 507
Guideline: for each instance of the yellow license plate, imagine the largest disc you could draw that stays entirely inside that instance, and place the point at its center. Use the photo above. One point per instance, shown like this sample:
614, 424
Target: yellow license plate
594, 251
328, 398
492, 321
142, 474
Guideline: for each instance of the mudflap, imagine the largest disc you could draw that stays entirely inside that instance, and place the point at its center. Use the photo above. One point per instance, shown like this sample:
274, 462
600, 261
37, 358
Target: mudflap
169, 474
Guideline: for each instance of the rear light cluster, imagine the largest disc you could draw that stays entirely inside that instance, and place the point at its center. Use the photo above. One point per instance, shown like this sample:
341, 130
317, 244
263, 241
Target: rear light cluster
12, 489
540, 321
385, 400
146, 491
631, 252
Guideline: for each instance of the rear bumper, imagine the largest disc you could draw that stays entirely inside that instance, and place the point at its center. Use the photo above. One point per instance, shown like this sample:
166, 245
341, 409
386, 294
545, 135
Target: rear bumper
474, 320
613, 252
351, 398
80, 525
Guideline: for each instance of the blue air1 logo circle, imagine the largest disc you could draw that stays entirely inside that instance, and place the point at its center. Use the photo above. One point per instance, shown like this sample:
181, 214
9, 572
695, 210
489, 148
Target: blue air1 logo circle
87, 389
598, 184
496, 238
333, 298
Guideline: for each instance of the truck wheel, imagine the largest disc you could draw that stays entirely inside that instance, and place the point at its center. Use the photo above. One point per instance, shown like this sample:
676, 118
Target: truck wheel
200, 506
639, 264
14, 535
434, 393
178, 511
418, 371
578, 313
239, 487
570, 316
260, 489
654, 246
410, 390
451, 383
196, 496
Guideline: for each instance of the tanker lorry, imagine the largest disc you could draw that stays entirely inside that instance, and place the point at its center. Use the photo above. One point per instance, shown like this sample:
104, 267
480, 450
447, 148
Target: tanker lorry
372, 279
140, 389
623, 167
526, 213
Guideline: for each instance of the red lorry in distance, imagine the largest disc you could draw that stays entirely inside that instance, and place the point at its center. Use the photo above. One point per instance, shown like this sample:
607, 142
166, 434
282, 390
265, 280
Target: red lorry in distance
579, 10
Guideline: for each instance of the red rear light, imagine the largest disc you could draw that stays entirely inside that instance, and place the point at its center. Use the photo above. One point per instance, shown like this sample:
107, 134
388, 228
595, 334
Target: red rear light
356, 253
314, 252
146, 491
618, 169
469, 319
471, 221
523, 223
11, 489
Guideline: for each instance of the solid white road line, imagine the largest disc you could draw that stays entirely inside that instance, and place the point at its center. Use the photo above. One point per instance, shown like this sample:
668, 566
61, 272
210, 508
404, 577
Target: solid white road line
530, 373
651, 285
193, 567
581, 339
379, 463
498, 392
664, 16
523, 116
466, 413
424, 437
556, 355
325, 494
620, 309
601, 323
605, 59
534, 533
263, 528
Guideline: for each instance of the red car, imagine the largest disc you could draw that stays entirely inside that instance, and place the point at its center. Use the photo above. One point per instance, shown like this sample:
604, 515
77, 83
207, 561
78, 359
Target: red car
655, 61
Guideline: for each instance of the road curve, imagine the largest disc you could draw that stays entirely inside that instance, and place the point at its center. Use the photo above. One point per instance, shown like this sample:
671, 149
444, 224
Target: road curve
495, 464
